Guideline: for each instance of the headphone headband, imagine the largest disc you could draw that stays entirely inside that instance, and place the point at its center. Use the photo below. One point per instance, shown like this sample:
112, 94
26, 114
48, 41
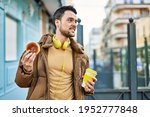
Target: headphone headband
58, 44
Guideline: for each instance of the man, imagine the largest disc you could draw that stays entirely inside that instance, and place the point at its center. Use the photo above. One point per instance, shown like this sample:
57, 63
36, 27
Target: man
56, 73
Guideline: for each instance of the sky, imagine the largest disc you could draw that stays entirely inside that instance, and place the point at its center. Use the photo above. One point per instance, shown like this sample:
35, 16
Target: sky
91, 13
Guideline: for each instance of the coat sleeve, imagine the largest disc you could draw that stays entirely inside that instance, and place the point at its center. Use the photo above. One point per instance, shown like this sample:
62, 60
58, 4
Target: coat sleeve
23, 78
86, 66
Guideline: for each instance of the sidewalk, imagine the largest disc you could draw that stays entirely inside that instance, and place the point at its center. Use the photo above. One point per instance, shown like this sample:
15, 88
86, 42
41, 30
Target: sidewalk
16, 94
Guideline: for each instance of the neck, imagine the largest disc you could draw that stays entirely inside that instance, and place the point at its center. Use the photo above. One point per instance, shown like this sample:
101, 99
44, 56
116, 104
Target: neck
61, 37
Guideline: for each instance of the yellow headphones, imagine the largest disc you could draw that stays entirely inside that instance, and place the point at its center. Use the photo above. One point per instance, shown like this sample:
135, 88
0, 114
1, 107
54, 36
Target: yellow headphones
58, 44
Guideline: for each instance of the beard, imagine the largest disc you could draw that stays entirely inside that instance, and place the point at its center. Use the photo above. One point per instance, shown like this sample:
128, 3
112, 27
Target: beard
66, 33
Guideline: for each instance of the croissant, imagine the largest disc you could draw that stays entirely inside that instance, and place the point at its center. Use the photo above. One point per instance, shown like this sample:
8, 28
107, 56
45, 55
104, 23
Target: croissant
33, 47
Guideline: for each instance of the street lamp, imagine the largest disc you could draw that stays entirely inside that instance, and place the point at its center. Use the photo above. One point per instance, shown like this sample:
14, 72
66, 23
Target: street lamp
80, 32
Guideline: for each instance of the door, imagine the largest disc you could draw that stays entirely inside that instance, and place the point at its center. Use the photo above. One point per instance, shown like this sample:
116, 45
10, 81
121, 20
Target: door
11, 49
10, 52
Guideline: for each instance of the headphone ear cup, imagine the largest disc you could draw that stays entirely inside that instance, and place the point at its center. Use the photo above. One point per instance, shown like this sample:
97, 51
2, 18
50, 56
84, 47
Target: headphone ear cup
66, 44
57, 43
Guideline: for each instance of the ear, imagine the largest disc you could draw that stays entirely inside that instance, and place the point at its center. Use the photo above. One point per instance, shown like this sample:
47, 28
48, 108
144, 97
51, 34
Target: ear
57, 22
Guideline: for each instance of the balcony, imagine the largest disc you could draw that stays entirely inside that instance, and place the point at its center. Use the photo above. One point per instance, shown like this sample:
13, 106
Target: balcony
119, 35
119, 7
119, 21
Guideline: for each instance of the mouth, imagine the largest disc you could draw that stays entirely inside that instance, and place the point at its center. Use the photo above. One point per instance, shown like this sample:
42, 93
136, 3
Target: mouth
72, 29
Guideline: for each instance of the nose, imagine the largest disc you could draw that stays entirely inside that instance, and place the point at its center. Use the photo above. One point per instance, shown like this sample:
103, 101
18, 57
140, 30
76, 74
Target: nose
74, 23
74, 26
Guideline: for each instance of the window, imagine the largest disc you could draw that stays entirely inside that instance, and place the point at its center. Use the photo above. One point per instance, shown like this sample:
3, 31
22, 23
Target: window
128, 1
126, 14
137, 1
11, 39
120, 1
144, 13
136, 13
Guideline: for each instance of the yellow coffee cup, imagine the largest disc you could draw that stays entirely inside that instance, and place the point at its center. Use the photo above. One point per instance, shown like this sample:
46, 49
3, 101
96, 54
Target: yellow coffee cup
89, 75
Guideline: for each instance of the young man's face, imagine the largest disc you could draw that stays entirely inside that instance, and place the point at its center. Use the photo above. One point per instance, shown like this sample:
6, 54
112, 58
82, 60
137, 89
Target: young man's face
67, 24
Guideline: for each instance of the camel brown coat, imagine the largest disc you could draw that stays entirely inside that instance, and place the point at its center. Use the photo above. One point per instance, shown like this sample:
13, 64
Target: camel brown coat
37, 81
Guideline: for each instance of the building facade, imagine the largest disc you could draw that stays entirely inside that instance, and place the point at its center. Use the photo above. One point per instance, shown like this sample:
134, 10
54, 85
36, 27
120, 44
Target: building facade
114, 36
94, 42
20, 21
118, 13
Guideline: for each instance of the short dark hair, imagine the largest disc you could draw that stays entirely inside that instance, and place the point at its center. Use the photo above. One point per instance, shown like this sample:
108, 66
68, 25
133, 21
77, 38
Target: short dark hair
60, 12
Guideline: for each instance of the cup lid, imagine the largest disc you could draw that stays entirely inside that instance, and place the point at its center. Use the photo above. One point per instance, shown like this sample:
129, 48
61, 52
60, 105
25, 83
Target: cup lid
91, 71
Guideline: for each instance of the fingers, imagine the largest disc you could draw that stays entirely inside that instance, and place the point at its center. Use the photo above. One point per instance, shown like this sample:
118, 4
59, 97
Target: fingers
89, 86
31, 58
90, 83
94, 79
26, 52
23, 57
27, 60
28, 57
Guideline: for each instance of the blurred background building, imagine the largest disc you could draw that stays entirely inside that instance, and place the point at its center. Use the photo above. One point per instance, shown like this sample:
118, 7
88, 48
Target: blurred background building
21, 21
112, 39
117, 14
94, 42
114, 35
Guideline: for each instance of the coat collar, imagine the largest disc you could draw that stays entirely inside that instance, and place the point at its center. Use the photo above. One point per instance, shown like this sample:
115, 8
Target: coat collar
46, 42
